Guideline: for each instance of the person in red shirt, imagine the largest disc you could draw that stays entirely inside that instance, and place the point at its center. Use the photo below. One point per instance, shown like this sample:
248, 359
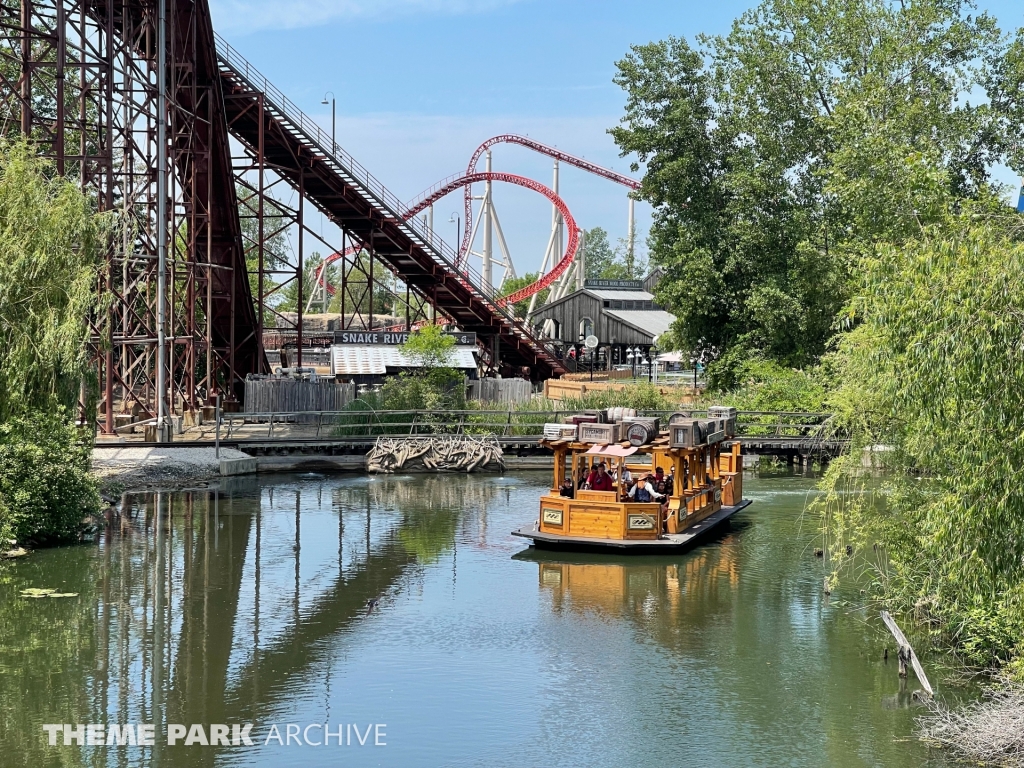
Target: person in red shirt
600, 480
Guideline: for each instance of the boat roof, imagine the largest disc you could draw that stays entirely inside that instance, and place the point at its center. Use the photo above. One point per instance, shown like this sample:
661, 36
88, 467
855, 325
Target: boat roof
615, 450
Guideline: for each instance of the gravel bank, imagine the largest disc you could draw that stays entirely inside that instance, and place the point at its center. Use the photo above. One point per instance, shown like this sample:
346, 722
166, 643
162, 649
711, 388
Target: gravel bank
165, 465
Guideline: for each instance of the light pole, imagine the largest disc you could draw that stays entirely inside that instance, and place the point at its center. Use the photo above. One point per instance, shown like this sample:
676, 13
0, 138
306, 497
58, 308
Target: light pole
457, 221
693, 362
653, 354
631, 359
334, 142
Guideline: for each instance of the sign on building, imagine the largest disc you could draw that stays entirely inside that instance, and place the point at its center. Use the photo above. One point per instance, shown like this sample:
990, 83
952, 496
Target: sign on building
393, 338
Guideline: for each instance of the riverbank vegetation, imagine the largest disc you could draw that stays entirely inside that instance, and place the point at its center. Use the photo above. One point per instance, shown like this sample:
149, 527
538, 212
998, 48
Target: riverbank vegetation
832, 239
50, 250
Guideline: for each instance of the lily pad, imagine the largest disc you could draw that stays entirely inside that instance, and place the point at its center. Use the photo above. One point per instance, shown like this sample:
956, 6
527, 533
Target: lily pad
63, 594
36, 592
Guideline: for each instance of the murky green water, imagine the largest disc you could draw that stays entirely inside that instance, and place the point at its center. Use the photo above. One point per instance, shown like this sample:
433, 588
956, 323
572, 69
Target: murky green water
256, 605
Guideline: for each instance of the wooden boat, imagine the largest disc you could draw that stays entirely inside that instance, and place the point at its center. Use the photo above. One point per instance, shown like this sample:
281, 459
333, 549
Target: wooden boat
706, 490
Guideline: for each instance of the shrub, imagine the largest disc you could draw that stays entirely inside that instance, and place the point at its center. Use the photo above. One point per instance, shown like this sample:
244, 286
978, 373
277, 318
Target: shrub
45, 486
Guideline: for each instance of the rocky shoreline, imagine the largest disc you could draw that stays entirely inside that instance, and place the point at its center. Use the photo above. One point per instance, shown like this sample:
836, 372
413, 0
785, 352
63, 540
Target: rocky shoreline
168, 467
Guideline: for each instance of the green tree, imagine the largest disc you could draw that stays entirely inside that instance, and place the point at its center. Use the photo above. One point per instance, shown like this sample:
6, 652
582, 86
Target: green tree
605, 262
289, 301
934, 373
599, 257
45, 486
774, 154
50, 249
386, 299
513, 284
429, 347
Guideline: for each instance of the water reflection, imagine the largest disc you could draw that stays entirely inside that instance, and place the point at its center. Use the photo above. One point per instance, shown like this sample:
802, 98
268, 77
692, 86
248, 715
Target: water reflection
318, 598
207, 606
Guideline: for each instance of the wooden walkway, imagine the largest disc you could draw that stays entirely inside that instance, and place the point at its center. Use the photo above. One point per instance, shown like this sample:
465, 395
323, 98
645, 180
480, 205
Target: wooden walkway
788, 436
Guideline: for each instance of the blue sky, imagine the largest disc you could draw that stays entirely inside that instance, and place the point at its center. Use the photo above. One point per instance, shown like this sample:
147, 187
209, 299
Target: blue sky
420, 83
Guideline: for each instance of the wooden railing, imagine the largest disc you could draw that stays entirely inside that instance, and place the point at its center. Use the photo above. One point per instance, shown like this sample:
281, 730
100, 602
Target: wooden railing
767, 425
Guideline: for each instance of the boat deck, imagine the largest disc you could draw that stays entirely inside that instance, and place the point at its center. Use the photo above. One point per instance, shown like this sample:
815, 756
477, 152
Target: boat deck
668, 543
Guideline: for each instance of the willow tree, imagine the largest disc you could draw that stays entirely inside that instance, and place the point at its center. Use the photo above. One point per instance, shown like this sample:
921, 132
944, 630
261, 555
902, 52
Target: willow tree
935, 373
50, 249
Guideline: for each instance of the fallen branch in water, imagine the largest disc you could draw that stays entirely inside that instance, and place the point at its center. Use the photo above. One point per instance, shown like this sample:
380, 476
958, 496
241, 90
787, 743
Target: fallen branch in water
990, 732
906, 653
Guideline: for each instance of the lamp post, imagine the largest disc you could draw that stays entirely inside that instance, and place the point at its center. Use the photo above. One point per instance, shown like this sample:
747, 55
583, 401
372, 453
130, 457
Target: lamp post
457, 221
652, 376
631, 359
693, 362
334, 141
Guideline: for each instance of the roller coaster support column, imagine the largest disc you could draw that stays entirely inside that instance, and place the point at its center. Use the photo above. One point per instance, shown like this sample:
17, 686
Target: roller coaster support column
487, 265
162, 424
630, 234
554, 243
581, 265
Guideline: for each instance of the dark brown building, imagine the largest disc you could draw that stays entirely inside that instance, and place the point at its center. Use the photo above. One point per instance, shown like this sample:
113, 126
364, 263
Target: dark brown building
621, 313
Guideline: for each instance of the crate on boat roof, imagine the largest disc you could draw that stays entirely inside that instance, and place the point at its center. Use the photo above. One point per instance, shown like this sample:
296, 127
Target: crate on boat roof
555, 431
687, 433
727, 414
714, 430
599, 433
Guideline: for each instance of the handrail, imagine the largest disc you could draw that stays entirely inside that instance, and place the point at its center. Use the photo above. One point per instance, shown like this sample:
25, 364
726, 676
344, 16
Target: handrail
399, 423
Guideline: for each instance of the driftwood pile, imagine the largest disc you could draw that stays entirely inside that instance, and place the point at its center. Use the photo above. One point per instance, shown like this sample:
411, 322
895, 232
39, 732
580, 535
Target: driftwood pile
987, 732
434, 453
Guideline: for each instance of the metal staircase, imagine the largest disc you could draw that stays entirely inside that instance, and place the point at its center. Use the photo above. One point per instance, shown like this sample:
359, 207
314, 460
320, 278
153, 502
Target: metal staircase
269, 125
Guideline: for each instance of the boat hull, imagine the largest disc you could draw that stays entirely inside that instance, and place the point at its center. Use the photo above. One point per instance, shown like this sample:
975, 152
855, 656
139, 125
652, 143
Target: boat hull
675, 542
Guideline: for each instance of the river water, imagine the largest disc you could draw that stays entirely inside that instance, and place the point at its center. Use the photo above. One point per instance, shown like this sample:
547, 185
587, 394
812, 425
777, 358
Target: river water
402, 607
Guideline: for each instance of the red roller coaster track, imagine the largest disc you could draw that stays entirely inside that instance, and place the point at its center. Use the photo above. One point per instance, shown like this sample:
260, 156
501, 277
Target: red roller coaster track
471, 176
448, 186
544, 149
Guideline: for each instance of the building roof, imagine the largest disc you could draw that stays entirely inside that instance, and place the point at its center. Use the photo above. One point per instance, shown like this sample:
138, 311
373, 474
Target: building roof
612, 295
375, 359
651, 321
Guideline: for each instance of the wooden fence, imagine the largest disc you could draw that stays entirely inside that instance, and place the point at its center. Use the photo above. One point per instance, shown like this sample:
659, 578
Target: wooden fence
295, 395
598, 376
560, 389
501, 390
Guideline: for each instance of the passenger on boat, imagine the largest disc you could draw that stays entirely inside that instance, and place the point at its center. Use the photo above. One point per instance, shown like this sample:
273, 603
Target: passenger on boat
662, 483
625, 476
644, 493
600, 480
566, 489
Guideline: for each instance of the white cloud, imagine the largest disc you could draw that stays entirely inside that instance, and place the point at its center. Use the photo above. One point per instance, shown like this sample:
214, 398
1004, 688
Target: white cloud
244, 16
